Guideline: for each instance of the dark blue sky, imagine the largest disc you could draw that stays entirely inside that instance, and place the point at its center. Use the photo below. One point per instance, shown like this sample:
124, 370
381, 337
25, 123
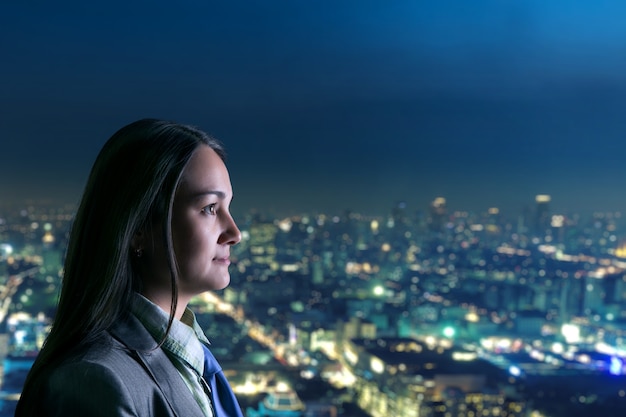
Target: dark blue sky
329, 105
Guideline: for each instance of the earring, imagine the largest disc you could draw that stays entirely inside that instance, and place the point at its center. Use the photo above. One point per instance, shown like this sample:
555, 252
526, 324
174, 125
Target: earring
138, 252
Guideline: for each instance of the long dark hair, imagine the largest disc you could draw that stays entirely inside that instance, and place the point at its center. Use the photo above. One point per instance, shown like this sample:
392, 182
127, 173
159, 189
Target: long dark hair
131, 185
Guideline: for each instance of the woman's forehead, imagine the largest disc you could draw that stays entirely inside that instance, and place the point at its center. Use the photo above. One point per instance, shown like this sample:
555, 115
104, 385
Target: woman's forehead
205, 173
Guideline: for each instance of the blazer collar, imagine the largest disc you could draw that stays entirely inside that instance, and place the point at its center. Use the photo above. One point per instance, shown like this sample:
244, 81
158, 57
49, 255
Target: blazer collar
130, 332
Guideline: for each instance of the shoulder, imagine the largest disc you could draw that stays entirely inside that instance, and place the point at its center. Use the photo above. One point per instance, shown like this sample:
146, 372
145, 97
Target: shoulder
94, 376
104, 356
88, 388
121, 374
105, 378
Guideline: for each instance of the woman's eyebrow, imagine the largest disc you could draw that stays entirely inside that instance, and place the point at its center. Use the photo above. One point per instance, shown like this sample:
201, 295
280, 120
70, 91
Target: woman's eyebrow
197, 196
200, 194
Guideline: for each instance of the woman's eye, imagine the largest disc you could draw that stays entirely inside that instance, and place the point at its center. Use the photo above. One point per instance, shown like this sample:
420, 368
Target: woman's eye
210, 209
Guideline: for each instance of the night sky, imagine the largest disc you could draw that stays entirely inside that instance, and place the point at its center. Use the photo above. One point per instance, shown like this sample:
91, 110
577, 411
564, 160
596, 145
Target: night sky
328, 105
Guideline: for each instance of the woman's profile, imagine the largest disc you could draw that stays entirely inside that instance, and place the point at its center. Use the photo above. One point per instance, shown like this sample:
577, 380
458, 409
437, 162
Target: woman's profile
153, 230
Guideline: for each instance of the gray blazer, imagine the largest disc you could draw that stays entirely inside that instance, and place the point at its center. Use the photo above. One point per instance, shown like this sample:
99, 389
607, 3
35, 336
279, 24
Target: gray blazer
118, 376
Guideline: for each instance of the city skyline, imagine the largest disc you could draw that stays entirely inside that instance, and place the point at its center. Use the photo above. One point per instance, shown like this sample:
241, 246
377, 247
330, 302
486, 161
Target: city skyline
531, 301
330, 107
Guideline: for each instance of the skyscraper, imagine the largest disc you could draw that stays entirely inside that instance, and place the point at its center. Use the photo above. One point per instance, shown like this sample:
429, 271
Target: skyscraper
437, 214
542, 214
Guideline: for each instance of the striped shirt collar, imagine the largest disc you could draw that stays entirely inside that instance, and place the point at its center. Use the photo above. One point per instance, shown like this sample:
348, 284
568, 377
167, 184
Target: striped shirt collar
185, 337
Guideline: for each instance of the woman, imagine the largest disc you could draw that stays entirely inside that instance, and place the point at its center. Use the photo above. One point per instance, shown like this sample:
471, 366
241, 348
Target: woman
153, 230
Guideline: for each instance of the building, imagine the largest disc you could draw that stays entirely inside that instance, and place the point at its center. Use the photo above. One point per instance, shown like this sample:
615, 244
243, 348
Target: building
410, 378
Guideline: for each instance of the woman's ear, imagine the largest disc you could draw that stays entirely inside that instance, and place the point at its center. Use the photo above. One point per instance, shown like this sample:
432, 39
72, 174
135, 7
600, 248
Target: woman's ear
137, 243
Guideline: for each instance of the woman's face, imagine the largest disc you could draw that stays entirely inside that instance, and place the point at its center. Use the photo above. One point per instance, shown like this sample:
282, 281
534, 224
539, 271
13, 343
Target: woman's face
203, 231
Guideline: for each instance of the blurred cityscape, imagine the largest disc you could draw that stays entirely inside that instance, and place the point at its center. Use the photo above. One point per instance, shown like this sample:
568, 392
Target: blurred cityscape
419, 312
